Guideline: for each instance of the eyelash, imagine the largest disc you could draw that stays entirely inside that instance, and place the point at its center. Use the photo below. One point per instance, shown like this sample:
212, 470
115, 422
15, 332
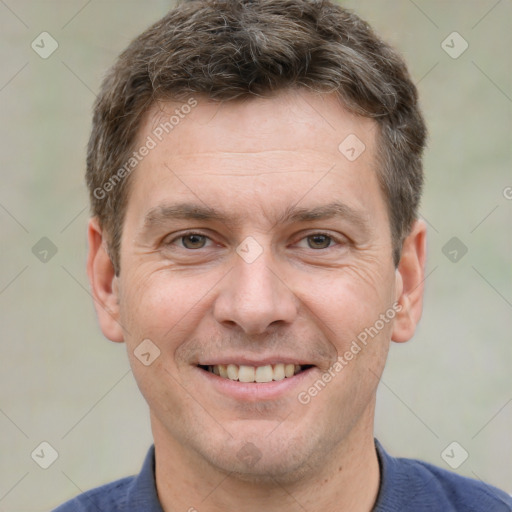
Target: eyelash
316, 233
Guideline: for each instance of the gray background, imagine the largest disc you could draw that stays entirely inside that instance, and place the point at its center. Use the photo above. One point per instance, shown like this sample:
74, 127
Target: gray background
63, 383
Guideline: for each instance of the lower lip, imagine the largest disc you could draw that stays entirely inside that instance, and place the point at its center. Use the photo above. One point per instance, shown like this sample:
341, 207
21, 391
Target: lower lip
255, 391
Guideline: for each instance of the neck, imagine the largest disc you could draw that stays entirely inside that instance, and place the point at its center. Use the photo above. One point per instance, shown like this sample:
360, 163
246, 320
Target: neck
347, 481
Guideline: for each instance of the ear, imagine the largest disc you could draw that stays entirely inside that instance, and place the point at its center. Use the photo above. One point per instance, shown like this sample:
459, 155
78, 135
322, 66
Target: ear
103, 283
410, 275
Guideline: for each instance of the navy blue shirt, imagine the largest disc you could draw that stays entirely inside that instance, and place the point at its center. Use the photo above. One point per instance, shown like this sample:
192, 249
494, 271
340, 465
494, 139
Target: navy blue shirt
405, 485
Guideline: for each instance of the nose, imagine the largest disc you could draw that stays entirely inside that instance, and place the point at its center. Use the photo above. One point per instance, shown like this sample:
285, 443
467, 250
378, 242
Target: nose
255, 298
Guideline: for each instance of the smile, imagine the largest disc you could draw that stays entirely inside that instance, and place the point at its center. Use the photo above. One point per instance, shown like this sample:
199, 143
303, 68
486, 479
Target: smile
266, 373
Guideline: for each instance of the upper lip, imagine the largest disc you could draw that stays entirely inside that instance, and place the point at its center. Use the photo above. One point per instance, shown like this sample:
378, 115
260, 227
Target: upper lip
247, 361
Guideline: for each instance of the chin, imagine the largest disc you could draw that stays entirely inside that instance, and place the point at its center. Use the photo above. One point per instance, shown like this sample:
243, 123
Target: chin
263, 463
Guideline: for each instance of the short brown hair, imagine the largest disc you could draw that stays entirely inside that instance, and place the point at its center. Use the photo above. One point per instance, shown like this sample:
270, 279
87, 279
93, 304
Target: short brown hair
230, 49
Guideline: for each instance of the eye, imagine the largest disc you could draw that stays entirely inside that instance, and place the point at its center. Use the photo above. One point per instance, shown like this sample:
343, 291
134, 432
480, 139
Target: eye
191, 241
319, 241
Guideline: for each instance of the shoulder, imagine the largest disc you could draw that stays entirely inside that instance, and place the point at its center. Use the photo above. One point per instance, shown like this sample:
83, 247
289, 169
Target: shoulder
409, 484
129, 494
457, 491
111, 497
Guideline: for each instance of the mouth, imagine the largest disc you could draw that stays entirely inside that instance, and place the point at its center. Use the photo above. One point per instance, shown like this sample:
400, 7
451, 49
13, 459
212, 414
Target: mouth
255, 374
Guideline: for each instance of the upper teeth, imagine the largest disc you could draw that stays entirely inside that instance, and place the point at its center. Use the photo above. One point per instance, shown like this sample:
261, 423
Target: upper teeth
265, 373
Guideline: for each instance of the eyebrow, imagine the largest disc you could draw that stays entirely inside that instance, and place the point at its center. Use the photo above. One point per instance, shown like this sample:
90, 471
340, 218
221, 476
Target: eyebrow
189, 211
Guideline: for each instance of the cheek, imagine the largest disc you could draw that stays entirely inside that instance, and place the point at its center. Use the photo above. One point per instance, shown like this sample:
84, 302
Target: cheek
356, 314
347, 301
163, 306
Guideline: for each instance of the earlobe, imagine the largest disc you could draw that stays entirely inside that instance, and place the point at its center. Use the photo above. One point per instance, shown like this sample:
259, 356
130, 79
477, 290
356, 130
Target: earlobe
410, 275
103, 283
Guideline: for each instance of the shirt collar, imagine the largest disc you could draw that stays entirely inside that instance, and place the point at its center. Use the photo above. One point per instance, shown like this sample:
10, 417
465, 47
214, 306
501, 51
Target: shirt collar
143, 492
391, 496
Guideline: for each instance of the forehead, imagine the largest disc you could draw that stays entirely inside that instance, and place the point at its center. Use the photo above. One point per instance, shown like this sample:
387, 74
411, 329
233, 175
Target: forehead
261, 152
288, 120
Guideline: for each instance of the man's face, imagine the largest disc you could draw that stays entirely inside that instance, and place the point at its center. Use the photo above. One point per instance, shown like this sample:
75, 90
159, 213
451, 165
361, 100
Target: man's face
251, 239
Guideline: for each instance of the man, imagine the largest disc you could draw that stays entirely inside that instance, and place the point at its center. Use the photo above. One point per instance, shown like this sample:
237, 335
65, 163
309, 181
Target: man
255, 173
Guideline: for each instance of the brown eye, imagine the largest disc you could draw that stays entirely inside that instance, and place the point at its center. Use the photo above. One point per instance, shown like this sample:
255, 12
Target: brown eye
193, 241
319, 241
